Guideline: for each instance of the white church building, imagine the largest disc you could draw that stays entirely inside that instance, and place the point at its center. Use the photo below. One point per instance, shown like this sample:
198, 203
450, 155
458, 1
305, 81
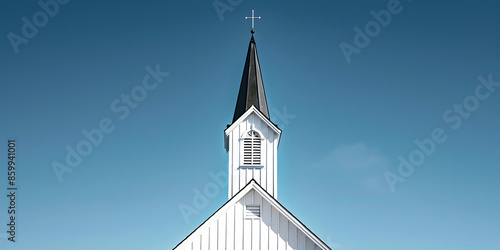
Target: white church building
252, 218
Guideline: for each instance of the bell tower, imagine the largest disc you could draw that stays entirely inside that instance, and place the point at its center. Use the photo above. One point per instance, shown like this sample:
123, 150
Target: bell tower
252, 139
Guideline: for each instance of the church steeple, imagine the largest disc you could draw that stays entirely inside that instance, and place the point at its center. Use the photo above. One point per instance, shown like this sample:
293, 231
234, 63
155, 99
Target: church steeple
251, 87
252, 139
252, 218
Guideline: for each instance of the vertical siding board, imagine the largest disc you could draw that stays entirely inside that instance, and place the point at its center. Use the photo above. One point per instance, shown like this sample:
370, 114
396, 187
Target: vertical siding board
270, 167
316, 247
204, 240
263, 128
222, 232
309, 244
250, 175
301, 240
292, 236
275, 164
258, 122
256, 175
243, 177
283, 232
230, 167
197, 242
230, 229
257, 200
238, 224
243, 171
249, 198
213, 236
263, 172
247, 122
273, 234
247, 234
255, 234
247, 237
247, 224
235, 163
265, 225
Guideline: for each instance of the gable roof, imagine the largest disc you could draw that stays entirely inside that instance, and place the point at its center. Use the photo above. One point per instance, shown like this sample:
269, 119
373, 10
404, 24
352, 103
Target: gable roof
250, 110
253, 185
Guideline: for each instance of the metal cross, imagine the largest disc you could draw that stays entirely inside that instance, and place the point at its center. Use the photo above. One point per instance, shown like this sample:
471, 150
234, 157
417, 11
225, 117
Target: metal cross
253, 18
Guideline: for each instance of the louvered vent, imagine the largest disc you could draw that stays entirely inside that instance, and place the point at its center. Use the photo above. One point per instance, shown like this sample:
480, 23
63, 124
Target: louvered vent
251, 149
253, 211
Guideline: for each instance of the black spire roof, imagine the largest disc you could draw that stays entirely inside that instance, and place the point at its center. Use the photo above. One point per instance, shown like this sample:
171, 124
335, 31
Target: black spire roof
251, 88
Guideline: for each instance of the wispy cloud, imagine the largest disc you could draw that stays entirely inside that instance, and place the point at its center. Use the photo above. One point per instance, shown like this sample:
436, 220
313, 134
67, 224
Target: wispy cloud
356, 156
360, 161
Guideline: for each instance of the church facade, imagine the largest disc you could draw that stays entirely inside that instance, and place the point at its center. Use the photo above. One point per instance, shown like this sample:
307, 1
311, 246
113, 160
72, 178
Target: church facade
252, 218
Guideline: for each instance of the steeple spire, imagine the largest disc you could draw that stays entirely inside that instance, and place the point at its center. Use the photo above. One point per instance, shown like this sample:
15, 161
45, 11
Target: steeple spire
252, 87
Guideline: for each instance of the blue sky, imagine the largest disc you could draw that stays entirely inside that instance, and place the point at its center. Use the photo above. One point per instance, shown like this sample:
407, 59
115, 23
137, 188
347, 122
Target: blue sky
346, 123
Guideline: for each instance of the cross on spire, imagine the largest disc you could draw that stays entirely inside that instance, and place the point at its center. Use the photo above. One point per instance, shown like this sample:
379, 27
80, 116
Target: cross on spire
253, 18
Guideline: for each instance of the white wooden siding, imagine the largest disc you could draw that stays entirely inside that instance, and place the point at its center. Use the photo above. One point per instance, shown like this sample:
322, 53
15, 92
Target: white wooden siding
232, 231
265, 175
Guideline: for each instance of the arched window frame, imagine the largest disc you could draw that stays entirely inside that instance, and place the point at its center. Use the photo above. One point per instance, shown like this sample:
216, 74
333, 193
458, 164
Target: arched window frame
251, 149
